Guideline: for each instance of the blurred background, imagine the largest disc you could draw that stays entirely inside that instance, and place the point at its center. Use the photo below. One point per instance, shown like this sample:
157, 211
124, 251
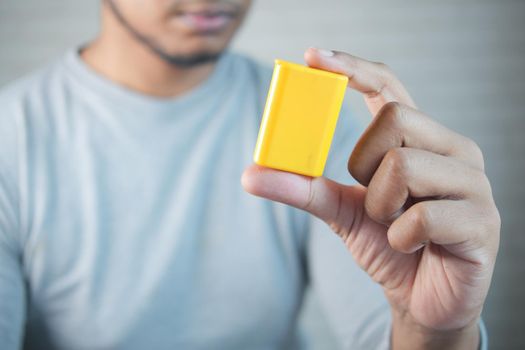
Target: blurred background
463, 61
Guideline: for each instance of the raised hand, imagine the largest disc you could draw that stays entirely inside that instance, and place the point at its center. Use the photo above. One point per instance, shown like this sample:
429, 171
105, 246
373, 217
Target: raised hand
423, 222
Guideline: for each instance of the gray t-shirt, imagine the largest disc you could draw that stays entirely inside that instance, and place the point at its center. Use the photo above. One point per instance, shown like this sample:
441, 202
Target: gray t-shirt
123, 224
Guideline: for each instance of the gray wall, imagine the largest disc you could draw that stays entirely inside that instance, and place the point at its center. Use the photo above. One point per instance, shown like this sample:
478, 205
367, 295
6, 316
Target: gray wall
463, 61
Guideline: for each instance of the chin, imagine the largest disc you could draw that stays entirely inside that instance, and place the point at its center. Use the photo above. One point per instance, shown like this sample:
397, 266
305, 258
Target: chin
190, 58
199, 46
189, 42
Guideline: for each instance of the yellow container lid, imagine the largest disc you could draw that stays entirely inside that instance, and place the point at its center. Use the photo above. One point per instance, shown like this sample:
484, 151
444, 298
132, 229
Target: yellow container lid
299, 119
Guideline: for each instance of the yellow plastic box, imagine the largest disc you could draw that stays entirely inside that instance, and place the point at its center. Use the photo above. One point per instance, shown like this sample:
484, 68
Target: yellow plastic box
299, 119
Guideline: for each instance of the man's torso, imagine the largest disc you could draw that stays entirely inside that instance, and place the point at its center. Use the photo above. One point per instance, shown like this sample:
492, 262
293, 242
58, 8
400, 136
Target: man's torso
134, 231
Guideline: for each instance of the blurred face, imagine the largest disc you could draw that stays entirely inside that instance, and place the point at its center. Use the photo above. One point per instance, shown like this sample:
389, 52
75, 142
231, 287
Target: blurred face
182, 32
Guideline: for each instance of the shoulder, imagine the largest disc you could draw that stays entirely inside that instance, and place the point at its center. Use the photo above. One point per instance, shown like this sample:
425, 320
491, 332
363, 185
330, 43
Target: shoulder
28, 102
35, 81
24, 105
21, 101
32, 92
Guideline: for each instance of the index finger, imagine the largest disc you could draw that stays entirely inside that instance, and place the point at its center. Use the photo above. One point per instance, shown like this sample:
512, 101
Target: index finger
375, 80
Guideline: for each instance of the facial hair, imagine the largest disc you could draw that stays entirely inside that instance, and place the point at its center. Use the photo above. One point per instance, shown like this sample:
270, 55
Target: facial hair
179, 61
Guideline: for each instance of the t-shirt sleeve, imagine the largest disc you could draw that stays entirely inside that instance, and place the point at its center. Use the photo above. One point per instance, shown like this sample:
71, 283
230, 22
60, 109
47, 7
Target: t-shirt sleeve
12, 292
354, 306
483, 336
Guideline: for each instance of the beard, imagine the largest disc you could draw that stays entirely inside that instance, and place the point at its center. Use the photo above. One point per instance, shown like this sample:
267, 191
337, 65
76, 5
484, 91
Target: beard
177, 60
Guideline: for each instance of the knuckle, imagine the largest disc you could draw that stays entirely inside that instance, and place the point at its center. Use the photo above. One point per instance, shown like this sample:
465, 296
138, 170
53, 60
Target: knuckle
413, 231
397, 161
493, 219
400, 240
353, 163
373, 207
485, 182
481, 183
349, 60
395, 241
420, 217
497, 218
376, 207
473, 147
357, 172
496, 222
488, 229
357, 168
473, 151
384, 68
387, 73
392, 115
378, 204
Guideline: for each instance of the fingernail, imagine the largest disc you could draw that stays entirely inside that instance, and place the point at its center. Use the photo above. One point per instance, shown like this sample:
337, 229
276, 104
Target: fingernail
325, 53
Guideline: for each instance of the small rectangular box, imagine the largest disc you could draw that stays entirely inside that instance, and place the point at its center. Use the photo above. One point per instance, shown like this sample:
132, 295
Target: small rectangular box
299, 119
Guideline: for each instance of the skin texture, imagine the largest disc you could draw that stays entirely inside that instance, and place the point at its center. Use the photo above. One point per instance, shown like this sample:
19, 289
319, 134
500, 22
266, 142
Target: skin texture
422, 222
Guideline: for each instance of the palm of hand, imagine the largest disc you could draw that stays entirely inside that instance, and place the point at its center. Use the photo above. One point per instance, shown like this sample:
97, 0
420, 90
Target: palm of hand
432, 285
427, 184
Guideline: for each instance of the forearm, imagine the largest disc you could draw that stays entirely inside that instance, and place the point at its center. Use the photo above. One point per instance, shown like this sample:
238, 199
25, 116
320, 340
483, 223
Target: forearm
408, 335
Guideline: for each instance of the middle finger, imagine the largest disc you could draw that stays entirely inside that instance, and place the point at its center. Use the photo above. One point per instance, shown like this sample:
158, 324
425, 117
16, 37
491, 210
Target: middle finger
398, 125
407, 173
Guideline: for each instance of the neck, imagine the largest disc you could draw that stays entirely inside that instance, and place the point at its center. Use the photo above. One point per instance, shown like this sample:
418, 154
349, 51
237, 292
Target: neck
119, 57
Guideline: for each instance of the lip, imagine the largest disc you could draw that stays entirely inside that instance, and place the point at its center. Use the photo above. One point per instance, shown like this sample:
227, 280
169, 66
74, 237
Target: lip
205, 22
206, 19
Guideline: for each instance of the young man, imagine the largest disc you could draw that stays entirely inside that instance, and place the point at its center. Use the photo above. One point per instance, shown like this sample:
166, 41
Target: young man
123, 224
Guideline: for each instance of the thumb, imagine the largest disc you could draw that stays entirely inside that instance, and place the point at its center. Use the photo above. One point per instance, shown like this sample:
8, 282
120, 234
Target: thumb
338, 205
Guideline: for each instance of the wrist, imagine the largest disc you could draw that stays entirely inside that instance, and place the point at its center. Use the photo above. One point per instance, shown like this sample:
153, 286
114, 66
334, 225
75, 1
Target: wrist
409, 334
